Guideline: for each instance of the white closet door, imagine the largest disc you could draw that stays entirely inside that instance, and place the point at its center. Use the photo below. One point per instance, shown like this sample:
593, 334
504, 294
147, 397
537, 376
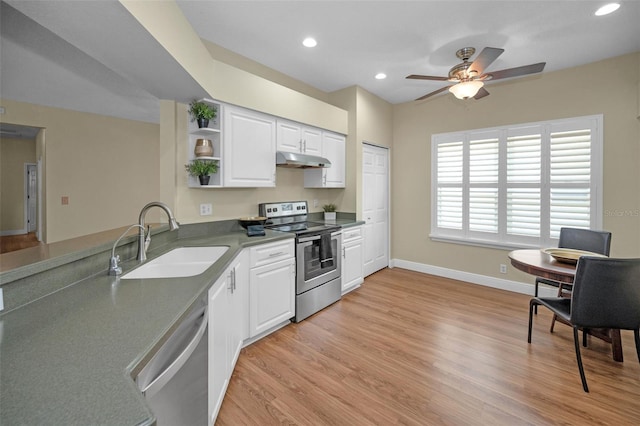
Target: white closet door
375, 210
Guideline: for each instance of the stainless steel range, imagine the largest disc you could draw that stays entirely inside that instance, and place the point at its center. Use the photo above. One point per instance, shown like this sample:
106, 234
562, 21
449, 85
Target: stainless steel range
318, 260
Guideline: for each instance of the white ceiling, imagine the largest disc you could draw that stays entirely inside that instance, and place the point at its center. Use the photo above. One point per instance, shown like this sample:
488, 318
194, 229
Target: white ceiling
94, 56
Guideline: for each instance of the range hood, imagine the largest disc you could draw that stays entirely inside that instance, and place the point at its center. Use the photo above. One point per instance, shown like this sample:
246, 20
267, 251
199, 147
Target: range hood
300, 161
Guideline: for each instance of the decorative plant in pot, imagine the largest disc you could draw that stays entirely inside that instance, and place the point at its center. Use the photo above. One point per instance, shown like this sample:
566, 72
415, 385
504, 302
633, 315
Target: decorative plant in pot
202, 169
202, 113
329, 211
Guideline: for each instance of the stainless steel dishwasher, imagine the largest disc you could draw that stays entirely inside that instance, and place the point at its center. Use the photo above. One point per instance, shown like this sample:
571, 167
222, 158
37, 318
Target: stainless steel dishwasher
174, 382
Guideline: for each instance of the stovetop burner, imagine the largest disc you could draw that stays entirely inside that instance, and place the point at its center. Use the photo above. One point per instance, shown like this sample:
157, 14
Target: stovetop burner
304, 227
292, 217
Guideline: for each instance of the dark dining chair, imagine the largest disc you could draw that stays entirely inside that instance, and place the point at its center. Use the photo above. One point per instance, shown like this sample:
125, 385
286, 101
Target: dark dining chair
577, 239
606, 294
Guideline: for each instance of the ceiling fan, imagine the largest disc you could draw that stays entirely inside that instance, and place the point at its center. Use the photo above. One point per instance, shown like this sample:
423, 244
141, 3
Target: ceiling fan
469, 77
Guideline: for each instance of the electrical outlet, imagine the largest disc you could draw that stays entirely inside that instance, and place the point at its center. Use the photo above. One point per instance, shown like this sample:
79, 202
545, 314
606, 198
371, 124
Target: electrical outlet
503, 268
206, 210
1, 300
315, 203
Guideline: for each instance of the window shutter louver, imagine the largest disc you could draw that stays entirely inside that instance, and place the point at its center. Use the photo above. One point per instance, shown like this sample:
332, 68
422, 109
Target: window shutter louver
517, 186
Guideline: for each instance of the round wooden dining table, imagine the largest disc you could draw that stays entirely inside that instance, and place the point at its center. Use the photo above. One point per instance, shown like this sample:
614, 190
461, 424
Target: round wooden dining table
535, 262
540, 264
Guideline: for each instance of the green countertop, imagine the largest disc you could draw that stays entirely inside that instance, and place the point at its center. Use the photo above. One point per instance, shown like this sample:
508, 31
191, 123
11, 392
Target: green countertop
70, 357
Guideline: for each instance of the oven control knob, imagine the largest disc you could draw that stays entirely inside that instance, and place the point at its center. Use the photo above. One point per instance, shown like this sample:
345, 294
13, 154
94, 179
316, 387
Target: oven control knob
275, 209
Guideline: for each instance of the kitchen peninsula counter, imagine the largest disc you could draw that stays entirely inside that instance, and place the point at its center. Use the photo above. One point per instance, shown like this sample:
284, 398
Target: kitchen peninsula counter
71, 356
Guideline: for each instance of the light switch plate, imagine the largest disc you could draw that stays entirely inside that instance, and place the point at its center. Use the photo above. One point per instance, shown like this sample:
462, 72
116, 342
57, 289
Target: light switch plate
1, 301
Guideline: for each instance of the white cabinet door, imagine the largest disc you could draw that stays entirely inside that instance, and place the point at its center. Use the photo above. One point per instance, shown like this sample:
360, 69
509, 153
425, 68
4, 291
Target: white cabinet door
289, 136
295, 137
352, 259
218, 346
249, 148
311, 141
333, 148
239, 286
271, 295
226, 329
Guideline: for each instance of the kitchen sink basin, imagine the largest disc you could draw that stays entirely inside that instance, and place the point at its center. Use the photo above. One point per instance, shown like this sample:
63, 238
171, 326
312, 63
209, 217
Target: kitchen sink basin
179, 262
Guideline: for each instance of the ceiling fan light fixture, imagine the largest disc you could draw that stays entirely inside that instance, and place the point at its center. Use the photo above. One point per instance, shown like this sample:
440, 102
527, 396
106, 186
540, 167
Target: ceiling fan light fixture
466, 89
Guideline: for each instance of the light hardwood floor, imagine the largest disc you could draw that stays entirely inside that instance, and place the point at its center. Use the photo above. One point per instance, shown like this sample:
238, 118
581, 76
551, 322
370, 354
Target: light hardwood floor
18, 242
414, 349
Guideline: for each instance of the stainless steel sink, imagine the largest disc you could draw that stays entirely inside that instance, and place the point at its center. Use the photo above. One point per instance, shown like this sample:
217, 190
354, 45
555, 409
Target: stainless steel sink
179, 262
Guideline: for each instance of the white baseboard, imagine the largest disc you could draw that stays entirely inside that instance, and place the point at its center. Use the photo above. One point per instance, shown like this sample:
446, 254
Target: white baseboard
484, 280
13, 232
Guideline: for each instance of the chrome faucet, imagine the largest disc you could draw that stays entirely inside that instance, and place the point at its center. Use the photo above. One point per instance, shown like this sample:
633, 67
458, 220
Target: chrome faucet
145, 239
114, 261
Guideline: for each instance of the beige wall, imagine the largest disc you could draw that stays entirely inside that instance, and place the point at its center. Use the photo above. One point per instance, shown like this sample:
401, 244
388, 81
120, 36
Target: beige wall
370, 120
608, 87
224, 82
108, 167
14, 154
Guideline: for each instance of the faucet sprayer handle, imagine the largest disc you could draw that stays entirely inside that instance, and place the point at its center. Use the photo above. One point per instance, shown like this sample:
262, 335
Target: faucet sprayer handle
114, 267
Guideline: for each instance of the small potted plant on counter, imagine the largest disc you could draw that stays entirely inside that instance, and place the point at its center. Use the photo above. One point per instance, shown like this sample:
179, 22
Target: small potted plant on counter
202, 113
202, 169
329, 212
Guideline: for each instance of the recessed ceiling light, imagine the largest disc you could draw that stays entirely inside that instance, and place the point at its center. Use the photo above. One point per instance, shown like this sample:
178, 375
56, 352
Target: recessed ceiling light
607, 9
309, 42
381, 76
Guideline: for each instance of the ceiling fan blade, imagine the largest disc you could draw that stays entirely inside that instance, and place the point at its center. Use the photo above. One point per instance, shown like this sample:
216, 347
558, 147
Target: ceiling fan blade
484, 59
426, 77
517, 71
481, 93
433, 93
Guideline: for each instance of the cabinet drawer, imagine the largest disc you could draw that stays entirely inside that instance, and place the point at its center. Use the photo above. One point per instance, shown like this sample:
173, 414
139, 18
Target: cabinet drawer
349, 234
269, 253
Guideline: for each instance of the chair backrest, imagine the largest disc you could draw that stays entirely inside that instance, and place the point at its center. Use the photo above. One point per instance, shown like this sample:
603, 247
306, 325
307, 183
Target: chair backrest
606, 293
585, 239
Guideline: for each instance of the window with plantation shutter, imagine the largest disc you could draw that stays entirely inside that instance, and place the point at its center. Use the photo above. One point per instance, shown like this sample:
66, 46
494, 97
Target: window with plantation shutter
516, 186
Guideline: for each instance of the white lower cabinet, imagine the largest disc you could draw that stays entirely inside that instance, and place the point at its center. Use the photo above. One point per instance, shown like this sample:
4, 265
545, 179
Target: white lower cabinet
352, 258
271, 286
226, 330
254, 294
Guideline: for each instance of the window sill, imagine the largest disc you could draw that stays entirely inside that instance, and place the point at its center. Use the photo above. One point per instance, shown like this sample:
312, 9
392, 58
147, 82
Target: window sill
481, 243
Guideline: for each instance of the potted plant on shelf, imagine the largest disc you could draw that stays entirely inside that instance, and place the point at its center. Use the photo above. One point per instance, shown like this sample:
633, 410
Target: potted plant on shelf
329, 212
202, 169
202, 113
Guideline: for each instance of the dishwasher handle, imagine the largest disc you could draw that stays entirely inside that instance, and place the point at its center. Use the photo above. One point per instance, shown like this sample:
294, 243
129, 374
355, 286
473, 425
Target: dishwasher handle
175, 344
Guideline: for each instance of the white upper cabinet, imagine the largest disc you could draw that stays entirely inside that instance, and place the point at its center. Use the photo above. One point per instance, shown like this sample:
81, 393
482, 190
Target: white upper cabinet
334, 149
295, 137
312, 140
249, 148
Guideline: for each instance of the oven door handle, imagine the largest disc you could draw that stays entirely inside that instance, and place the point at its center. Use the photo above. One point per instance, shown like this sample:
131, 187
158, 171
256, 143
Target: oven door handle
317, 237
306, 239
